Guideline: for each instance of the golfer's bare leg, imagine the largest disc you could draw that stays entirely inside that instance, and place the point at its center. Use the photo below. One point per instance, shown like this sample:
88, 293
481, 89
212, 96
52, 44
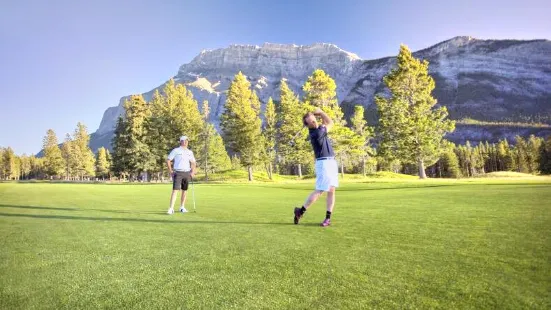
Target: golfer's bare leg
173, 198
331, 199
183, 199
312, 198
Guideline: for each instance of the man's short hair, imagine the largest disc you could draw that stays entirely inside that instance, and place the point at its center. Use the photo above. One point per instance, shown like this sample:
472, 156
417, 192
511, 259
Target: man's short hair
305, 117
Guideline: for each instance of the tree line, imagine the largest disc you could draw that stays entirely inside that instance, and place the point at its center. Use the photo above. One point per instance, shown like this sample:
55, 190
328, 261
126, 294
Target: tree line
408, 138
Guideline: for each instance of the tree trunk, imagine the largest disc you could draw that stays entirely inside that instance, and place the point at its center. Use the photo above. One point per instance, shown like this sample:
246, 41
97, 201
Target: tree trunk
299, 167
363, 166
421, 165
342, 169
206, 170
269, 170
250, 169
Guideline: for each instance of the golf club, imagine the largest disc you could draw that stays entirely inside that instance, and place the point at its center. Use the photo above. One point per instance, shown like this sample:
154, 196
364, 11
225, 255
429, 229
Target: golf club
193, 196
292, 143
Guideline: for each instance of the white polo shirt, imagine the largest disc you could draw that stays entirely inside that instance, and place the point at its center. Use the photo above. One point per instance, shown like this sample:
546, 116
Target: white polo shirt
183, 157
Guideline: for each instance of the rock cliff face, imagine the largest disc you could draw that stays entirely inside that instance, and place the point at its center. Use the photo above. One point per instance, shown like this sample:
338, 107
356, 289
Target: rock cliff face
488, 80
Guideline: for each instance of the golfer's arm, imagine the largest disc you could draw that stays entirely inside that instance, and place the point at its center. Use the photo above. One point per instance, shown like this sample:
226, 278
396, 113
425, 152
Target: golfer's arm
327, 121
169, 165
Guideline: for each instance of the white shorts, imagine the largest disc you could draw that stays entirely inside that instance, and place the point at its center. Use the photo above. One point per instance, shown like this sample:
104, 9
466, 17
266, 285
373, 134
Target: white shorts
327, 174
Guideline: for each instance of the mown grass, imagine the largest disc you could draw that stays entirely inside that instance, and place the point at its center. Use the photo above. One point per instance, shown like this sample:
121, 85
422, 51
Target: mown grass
393, 244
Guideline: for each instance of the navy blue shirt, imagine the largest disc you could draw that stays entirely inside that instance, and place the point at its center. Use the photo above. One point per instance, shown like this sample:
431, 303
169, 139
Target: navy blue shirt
320, 142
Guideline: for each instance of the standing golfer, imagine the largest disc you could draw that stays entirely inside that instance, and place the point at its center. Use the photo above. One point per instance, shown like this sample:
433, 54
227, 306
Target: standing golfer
326, 165
184, 170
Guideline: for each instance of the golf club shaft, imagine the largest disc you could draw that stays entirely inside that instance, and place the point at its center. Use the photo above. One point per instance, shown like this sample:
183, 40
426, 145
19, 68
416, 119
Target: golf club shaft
193, 195
296, 135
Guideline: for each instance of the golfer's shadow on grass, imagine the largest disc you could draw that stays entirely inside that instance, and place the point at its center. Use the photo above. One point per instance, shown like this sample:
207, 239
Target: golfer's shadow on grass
78, 209
117, 219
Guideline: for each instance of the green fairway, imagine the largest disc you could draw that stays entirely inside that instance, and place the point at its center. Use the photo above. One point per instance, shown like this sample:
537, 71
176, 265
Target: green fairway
401, 244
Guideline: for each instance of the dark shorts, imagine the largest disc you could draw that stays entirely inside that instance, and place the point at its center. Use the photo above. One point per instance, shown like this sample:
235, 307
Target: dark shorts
181, 180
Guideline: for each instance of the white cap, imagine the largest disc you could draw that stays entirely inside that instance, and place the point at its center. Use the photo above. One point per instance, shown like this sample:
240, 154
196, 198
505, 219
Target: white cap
183, 138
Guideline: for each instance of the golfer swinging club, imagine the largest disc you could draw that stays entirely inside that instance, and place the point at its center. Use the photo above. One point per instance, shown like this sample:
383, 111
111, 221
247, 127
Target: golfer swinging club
326, 165
184, 170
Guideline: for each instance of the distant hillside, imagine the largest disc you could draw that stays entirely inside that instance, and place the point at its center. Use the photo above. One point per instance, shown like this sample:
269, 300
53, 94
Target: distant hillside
486, 80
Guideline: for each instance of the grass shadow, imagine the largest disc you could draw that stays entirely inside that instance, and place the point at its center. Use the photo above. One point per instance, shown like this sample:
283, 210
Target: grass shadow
77, 209
363, 189
139, 220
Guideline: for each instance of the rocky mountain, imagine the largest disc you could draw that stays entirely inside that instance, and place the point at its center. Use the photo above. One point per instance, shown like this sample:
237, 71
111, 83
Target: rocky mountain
488, 80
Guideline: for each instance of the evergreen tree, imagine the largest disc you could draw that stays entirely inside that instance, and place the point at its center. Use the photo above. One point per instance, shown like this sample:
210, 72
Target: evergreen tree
471, 159
347, 145
533, 153
68, 154
83, 156
218, 159
102, 163
141, 158
37, 166
241, 123
53, 162
520, 159
505, 158
360, 128
320, 90
10, 168
173, 114
121, 149
2, 176
204, 144
481, 157
410, 127
236, 163
545, 156
270, 132
25, 166
212, 155
109, 163
293, 150
450, 165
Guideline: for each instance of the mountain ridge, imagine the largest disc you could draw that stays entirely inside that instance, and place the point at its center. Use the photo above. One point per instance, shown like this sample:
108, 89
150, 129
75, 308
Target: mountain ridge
489, 80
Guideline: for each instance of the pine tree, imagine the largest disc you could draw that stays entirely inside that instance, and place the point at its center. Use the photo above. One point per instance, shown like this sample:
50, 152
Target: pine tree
360, 128
218, 159
140, 159
241, 123
533, 153
204, 143
37, 166
53, 162
25, 166
102, 163
173, 114
270, 132
320, 90
347, 145
2, 175
293, 150
471, 159
409, 125
505, 159
520, 159
83, 156
545, 156
109, 163
10, 168
449, 164
121, 149
212, 155
68, 154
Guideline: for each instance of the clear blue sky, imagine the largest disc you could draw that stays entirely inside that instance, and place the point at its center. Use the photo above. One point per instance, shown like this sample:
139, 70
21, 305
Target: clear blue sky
67, 61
